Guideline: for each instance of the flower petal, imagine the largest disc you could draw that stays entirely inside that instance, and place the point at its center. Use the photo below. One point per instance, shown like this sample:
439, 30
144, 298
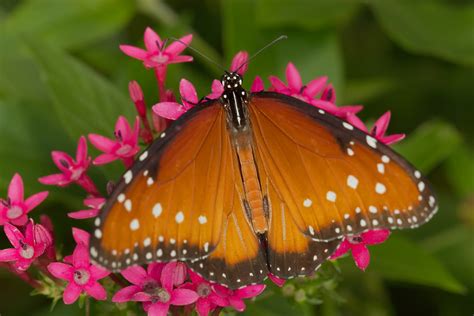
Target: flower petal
61, 270
183, 297
293, 77
381, 125
250, 291
203, 307
55, 179
342, 249
102, 143
181, 59
361, 256
15, 189
158, 309
167, 276
392, 139
134, 52
175, 48
126, 294
104, 159
62, 160
7, 255
96, 290
315, 86
98, 272
152, 40
237, 303
239, 62
356, 121
278, 85
188, 94
81, 152
80, 236
35, 200
376, 236
169, 110
71, 293
217, 90
257, 85
80, 256
135, 275
83, 214
13, 234
278, 281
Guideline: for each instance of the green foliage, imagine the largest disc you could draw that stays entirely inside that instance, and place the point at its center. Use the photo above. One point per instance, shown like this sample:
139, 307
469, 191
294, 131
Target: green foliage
62, 76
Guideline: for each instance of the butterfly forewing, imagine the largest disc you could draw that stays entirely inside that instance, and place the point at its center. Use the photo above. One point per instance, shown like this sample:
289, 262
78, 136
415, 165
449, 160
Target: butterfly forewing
335, 179
171, 204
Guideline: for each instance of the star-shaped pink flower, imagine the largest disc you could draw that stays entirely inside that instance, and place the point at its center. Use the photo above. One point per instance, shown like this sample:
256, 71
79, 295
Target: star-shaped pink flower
81, 275
15, 208
358, 246
26, 247
378, 130
156, 54
94, 204
124, 146
72, 170
236, 297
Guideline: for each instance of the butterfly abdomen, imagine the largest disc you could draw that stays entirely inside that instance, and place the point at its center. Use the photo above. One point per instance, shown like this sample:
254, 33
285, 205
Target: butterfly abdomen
253, 192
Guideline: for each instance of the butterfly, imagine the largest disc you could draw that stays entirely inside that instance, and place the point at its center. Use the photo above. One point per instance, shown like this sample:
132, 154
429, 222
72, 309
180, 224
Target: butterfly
252, 184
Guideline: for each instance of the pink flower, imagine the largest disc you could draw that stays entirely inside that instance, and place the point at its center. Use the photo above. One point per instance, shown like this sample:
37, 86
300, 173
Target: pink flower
208, 298
15, 208
136, 94
308, 93
124, 147
94, 204
156, 288
173, 110
156, 55
239, 62
358, 246
48, 225
81, 275
257, 85
278, 281
26, 247
236, 297
72, 170
379, 129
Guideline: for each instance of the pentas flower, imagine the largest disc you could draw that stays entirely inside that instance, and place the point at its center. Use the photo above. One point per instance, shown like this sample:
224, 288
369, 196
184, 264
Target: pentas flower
156, 54
379, 129
26, 248
72, 170
257, 85
308, 93
357, 244
136, 94
236, 297
81, 275
46, 222
156, 287
208, 298
15, 208
239, 63
123, 147
94, 204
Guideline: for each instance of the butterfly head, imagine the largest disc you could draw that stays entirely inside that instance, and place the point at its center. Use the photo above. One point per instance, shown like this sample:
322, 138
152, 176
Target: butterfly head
231, 81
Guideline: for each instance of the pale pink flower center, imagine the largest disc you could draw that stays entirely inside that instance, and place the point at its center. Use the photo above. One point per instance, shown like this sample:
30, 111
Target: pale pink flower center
355, 239
158, 294
81, 276
27, 252
160, 58
124, 150
14, 211
77, 173
203, 290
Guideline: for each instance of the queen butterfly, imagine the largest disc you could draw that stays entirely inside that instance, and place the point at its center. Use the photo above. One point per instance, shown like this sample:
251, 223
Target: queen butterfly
252, 184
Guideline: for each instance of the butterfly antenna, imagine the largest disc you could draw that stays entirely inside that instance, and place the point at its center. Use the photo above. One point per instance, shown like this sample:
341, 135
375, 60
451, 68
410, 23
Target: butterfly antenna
276, 40
199, 53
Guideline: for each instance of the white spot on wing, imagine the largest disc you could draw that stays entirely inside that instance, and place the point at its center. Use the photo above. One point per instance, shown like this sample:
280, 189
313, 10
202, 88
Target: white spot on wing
352, 181
331, 196
179, 217
157, 209
307, 203
380, 188
128, 176
134, 224
372, 142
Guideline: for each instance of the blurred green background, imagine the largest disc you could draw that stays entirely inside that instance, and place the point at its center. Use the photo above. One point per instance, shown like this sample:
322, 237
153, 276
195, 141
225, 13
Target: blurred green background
62, 76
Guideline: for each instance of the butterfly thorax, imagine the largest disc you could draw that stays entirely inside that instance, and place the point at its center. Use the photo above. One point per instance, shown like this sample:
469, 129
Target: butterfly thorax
235, 100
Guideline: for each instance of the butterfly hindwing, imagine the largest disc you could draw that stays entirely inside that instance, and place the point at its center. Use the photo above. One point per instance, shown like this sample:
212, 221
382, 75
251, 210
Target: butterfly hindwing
335, 179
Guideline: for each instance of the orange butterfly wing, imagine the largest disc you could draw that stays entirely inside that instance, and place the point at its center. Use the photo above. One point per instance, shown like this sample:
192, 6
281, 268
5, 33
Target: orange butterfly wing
335, 179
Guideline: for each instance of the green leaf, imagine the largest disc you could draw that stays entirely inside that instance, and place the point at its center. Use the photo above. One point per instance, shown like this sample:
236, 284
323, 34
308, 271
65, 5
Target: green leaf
400, 259
430, 28
84, 101
276, 305
430, 144
72, 25
306, 14
460, 170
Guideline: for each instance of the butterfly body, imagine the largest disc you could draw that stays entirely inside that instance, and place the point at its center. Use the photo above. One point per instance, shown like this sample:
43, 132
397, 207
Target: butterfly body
254, 184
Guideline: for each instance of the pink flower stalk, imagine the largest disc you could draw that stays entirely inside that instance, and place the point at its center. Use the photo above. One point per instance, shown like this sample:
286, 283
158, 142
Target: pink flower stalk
208, 298
26, 248
308, 93
239, 63
81, 275
124, 147
15, 208
156, 288
72, 170
236, 297
157, 56
379, 129
94, 204
358, 246
136, 94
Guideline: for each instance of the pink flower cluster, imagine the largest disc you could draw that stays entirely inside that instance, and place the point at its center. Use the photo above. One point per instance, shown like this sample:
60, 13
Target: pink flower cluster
160, 286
